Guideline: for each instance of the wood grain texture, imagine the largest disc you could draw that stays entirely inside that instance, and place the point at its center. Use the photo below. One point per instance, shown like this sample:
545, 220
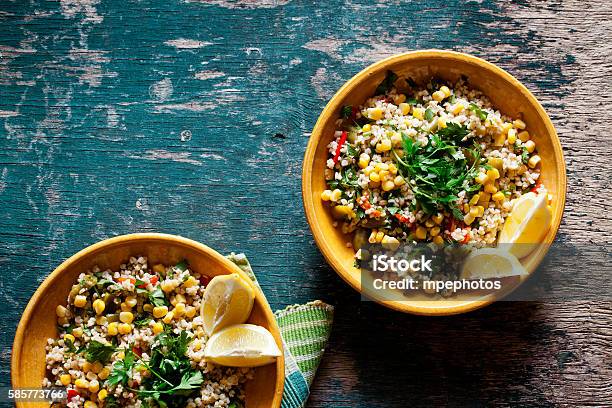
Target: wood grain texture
192, 117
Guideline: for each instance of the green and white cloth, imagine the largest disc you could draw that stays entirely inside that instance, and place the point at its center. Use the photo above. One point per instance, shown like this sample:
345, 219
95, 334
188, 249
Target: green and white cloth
305, 331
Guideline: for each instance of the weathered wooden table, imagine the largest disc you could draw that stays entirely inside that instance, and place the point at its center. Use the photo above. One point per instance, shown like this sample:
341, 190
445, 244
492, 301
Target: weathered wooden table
192, 118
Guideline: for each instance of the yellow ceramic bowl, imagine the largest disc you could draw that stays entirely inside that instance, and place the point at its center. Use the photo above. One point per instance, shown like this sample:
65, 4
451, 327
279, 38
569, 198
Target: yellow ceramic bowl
505, 92
39, 322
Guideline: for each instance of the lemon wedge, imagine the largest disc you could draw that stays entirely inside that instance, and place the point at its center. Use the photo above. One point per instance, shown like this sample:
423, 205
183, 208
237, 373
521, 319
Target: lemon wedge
490, 263
242, 345
527, 224
228, 300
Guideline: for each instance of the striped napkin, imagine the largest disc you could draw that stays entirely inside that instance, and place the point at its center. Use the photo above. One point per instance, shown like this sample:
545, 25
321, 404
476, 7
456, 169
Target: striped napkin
305, 331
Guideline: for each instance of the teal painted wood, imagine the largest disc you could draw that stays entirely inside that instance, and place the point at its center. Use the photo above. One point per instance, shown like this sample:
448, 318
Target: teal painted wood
192, 118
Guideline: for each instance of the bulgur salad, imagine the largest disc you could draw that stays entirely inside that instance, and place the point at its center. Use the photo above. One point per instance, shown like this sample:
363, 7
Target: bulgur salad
134, 338
433, 163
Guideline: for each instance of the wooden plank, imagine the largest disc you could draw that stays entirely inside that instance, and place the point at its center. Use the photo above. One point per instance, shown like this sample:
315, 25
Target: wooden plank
192, 118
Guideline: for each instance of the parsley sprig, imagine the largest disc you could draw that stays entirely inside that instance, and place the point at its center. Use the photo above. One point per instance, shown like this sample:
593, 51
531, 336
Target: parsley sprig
441, 169
173, 379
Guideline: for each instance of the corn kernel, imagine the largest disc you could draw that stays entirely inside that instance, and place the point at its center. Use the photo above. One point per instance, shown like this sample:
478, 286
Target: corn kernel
69, 338
326, 195
490, 188
418, 113
160, 311
445, 90
375, 177
90, 404
388, 185
438, 240
484, 198
474, 199
131, 301
434, 231
429, 223
473, 212
159, 268
121, 355
405, 108
169, 286
481, 178
519, 124
466, 208
158, 328
523, 136
190, 311
390, 243
383, 146
80, 301
497, 197
421, 232
379, 236
81, 383
65, 379
468, 218
102, 394
534, 161
125, 307
179, 309
511, 136
530, 146
77, 332
168, 317
91, 376
399, 181
375, 113
438, 96
499, 139
364, 160
493, 174
101, 320
96, 367
457, 109
396, 139
148, 308
126, 317
392, 168
496, 162
506, 127
113, 328
87, 366
438, 218
399, 99
481, 210
104, 373
441, 123
125, 328
99, 306
366, 128
61, 311
179, 298
335, 197
94, 386
372, 237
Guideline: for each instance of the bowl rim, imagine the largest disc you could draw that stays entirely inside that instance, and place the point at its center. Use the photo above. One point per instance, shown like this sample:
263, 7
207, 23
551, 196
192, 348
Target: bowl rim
26, 317
330, 110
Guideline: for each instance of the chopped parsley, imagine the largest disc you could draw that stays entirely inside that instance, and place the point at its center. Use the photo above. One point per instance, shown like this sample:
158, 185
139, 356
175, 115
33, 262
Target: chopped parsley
346, 111
97, 351
479, 112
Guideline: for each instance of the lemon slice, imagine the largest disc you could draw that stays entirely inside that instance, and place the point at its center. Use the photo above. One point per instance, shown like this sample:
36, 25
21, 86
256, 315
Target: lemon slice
527, 224
242, 345
228, 300
489, 263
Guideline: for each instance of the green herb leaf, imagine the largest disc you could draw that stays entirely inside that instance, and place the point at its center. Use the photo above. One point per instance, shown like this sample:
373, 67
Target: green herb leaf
122, 369
429, 114
143, 322
157, 297
387, 83
479, 112
346, 111
96, 351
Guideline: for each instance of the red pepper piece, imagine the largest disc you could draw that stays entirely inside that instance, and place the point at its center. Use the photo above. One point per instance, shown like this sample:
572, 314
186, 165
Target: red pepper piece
71, 394
137, 351
121, 280
340, 144
154, 280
